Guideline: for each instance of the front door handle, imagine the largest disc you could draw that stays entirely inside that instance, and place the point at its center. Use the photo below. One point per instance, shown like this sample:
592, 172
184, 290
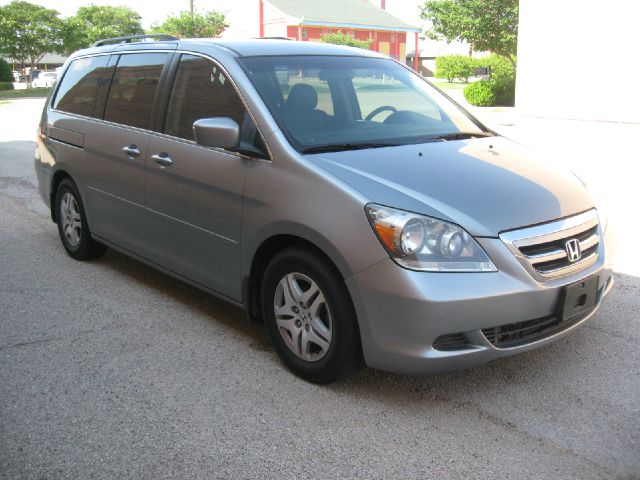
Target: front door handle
131, 150
164, 160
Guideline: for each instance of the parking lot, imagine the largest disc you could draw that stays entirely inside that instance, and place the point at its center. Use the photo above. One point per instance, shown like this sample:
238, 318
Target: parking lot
110, 369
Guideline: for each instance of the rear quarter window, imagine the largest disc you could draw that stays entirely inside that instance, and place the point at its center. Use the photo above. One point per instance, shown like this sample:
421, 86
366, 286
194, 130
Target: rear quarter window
79, 87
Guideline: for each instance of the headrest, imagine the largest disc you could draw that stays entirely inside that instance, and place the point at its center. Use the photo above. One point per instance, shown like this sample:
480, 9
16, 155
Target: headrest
303, 97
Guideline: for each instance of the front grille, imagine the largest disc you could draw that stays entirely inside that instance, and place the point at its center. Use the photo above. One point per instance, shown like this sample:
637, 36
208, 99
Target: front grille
521, 333
451, 342
542, 249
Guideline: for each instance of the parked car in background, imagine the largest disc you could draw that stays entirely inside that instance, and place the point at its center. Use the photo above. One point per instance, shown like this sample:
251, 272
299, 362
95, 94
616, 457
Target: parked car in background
330, 192
45, 79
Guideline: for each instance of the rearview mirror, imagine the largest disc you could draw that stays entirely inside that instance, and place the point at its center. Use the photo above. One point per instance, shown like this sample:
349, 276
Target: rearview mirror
219, 132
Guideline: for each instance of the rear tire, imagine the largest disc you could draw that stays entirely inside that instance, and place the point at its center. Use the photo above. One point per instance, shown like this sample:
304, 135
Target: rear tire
309, 316
72, 223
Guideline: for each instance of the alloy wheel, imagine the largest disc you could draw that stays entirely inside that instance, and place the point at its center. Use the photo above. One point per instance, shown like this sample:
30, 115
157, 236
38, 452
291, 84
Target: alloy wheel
71, 219
303, 316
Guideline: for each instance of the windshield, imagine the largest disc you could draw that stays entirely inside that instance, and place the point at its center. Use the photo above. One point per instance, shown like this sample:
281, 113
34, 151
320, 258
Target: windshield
337, 102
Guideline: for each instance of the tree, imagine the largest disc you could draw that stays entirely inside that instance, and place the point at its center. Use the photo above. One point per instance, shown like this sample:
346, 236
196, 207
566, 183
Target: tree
487, 25
5, 72
28, 32
340, 38
198, 25
94, 23
454, 66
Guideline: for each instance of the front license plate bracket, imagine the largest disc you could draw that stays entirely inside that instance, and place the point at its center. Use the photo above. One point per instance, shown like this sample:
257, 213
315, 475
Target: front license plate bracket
579, 297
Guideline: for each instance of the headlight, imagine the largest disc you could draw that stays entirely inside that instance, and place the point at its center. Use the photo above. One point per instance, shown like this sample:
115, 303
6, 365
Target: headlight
418, 242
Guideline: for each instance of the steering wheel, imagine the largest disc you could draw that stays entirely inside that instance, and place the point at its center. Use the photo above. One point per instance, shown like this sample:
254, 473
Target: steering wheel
381, 109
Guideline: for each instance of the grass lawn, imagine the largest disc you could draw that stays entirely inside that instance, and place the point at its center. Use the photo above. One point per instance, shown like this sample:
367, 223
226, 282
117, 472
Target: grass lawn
4, 101
451, 86
26, 93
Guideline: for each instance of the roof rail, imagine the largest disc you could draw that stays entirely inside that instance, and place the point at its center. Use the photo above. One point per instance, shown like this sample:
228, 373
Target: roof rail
273, 38
157, 36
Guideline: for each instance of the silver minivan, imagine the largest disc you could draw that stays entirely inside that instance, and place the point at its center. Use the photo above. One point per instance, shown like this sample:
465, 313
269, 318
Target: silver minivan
331, 192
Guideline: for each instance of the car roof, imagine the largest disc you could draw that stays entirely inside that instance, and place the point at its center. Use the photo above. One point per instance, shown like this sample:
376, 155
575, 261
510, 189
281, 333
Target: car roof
273, 46
240, 48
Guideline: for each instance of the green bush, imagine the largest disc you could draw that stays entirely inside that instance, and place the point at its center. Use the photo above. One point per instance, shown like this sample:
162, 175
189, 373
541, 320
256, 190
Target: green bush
500, 66
340, 38
454, 66
505, 91
6, 86
5, 71
480, 94
501, 84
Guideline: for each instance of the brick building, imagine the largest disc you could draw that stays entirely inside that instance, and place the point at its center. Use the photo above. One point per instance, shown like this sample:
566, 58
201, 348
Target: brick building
308, 20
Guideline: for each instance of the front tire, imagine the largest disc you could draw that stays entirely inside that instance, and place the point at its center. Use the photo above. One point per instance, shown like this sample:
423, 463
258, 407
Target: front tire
309, 316
72, 223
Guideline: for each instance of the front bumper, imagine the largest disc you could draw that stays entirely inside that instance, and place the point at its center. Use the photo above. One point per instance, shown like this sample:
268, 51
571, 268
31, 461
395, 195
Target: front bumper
402, 312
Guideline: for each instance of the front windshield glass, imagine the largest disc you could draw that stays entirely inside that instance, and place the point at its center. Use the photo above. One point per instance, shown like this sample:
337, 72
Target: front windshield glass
337, 102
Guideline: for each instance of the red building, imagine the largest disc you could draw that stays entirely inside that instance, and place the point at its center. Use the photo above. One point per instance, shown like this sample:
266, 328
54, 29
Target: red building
308, 20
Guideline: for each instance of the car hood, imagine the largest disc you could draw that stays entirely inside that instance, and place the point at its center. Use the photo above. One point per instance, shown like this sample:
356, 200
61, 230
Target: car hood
485, 185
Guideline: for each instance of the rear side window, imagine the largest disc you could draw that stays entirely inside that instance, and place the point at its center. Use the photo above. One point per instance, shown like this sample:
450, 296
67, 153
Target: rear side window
133, 89
200, 90
79, 87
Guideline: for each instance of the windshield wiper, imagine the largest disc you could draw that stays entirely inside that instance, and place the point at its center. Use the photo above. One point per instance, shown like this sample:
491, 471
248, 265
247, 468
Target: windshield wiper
338, 147
459, 136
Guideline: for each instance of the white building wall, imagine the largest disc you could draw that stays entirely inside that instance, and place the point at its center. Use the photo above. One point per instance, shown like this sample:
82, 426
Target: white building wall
579, 59
242, 16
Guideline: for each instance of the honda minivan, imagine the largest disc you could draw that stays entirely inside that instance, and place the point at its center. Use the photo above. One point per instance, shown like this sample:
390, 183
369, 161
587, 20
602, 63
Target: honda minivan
329, 191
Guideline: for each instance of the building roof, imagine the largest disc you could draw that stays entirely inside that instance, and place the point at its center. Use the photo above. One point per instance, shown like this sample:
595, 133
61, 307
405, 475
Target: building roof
341, 13
48, 58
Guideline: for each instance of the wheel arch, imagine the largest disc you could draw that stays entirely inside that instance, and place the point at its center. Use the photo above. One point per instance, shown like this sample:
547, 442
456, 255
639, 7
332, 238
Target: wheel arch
58, 176
272, 244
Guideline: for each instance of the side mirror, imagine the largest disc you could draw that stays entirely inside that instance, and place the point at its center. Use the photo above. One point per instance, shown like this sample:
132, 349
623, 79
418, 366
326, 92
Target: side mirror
219, 132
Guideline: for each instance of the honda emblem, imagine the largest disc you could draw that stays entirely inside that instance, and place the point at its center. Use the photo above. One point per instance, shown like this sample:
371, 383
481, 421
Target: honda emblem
572, 247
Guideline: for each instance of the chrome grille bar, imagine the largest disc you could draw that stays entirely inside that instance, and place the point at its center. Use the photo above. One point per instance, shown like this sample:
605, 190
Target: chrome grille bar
558, 254
541, 249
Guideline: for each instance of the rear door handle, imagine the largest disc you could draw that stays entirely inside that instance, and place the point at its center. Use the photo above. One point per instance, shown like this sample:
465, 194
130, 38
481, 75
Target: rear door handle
163, 159
131, 150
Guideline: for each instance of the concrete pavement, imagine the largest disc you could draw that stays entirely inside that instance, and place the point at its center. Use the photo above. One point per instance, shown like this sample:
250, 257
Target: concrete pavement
109, 369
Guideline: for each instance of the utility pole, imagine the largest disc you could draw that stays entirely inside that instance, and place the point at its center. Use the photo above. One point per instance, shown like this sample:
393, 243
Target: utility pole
191, 8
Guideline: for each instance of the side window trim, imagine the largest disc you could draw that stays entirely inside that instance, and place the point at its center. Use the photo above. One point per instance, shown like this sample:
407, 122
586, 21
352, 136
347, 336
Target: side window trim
167, 77
168, 88
166, 84
103, 91
219, 73
54, 98
152, 118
